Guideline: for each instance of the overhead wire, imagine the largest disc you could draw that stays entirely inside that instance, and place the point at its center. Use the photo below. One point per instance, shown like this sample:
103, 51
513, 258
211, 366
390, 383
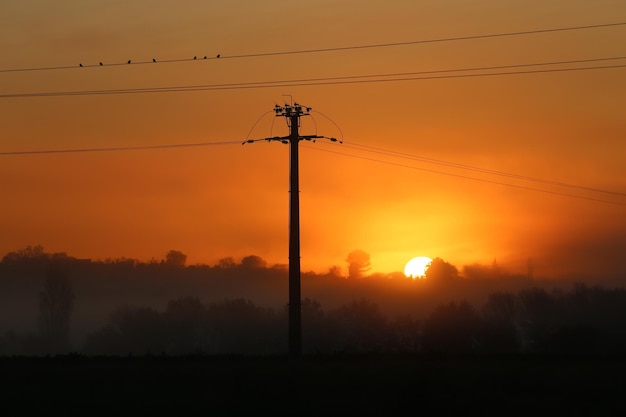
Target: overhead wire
422, 41
353, 146
322, 50
355, 79
392, 153
103, 65
467, 177
332, 121
118, 148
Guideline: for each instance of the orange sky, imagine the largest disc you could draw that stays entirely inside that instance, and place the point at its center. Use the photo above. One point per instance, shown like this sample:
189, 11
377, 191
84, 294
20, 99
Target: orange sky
232, 200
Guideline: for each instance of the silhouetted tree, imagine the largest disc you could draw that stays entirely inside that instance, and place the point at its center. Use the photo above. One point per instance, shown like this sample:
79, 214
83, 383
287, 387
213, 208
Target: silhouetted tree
591, 321
29, 252
540, 317
186, 326
501, 307
130, 331
34, 255
226, 263
501, 321
441, 272
478, 271
359, 327
358, 263
406, 335
175, 258
452, 328
334, 271
314, 327
253, 262
239, 327
56, 303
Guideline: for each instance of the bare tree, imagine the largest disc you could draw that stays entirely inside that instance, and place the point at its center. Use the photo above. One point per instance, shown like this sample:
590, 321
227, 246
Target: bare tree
56, 304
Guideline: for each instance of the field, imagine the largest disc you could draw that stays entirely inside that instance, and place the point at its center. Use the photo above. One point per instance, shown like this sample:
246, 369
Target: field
318, 385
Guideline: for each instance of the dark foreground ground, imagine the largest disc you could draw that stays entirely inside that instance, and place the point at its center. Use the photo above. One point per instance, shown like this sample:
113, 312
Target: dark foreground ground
317, 386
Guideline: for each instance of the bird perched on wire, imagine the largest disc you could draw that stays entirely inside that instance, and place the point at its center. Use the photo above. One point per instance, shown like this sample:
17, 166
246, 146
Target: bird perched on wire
80, 65
129, 61
101, 64
195, 57
218, 55
153, 59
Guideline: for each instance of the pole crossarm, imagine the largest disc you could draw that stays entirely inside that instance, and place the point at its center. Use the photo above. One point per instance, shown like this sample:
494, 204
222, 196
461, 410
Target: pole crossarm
285, 139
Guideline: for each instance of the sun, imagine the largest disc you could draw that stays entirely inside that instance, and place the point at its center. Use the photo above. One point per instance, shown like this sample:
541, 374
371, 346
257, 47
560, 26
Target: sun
416, 267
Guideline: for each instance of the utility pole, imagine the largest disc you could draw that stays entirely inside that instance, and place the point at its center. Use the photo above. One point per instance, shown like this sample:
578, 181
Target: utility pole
292, 113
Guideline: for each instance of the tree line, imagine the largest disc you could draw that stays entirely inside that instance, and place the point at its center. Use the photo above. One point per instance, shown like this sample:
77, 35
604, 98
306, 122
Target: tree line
583, 320
443, 316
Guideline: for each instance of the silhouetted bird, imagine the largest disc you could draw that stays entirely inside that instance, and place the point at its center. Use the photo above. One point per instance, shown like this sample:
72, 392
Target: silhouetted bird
195, 57
218, 55
101, 63
205, 57
153, 59
129, 61
80, 65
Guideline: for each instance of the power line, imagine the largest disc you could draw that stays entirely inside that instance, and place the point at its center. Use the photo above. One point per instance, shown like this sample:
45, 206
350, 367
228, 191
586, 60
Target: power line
451, 39
511, 66
103, 65
478, 169
356, 79
468, 177
321, 50
378, 150
119, 148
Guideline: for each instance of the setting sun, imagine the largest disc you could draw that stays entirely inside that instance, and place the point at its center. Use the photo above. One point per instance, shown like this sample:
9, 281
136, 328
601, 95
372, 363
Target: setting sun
416, 267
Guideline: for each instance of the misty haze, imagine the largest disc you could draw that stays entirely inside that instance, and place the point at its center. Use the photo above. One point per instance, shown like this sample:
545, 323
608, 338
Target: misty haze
53, 303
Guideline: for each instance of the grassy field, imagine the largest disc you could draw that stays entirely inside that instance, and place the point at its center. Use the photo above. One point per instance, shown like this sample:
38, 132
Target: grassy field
319, 385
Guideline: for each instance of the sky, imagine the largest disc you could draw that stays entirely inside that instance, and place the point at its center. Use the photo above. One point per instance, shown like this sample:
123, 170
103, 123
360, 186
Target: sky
437, 162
